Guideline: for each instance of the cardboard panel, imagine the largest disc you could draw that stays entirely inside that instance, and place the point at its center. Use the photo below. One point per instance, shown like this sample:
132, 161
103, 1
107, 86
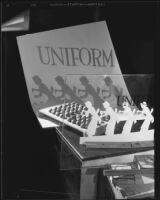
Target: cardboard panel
48, 56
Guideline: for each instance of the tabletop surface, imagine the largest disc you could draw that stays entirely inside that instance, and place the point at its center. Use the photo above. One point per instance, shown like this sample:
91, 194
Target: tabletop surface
71, 137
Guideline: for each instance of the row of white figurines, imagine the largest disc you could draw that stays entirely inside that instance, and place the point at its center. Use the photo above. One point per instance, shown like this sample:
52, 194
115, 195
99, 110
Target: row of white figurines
127, 114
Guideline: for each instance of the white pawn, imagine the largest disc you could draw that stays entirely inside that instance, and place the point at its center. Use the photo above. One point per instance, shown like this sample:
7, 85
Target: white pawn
113, 118
130, 118
148, 117
95, 119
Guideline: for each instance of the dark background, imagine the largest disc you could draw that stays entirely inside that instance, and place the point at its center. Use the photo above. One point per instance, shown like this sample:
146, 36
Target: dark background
30, 161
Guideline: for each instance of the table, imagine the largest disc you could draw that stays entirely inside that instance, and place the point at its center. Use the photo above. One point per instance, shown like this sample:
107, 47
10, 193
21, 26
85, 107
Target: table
89, 161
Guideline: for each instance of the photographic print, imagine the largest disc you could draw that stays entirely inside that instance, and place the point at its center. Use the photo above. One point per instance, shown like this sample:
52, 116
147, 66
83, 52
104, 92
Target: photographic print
78, 99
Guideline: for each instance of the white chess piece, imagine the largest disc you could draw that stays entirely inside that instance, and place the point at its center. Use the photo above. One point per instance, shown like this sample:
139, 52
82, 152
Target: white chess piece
148, 117
95, 119
113, 118
130, 118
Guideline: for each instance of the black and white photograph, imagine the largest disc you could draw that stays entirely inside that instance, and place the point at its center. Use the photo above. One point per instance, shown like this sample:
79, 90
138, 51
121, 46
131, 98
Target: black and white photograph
79, 100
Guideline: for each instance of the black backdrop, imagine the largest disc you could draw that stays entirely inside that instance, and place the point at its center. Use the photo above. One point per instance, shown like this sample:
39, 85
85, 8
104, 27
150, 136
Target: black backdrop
29, 157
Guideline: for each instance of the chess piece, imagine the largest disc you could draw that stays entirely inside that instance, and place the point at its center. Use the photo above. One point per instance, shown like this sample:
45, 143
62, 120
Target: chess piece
148, 117
113, 118
44, 90
91, 92
66, 92
130, 118
95, 119
112, 92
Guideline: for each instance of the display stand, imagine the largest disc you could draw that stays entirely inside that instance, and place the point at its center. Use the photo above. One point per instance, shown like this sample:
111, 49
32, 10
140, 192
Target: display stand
90, 161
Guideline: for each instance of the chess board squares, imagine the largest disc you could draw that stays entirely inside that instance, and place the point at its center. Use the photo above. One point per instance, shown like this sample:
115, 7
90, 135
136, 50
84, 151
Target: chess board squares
72, 112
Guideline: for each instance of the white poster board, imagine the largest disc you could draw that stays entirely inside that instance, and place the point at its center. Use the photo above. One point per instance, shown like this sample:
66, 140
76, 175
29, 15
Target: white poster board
47, 57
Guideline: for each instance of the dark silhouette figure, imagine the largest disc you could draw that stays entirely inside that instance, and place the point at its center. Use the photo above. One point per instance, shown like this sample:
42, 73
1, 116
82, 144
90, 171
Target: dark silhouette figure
66, 90
43, 89
89, 90
112, 90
